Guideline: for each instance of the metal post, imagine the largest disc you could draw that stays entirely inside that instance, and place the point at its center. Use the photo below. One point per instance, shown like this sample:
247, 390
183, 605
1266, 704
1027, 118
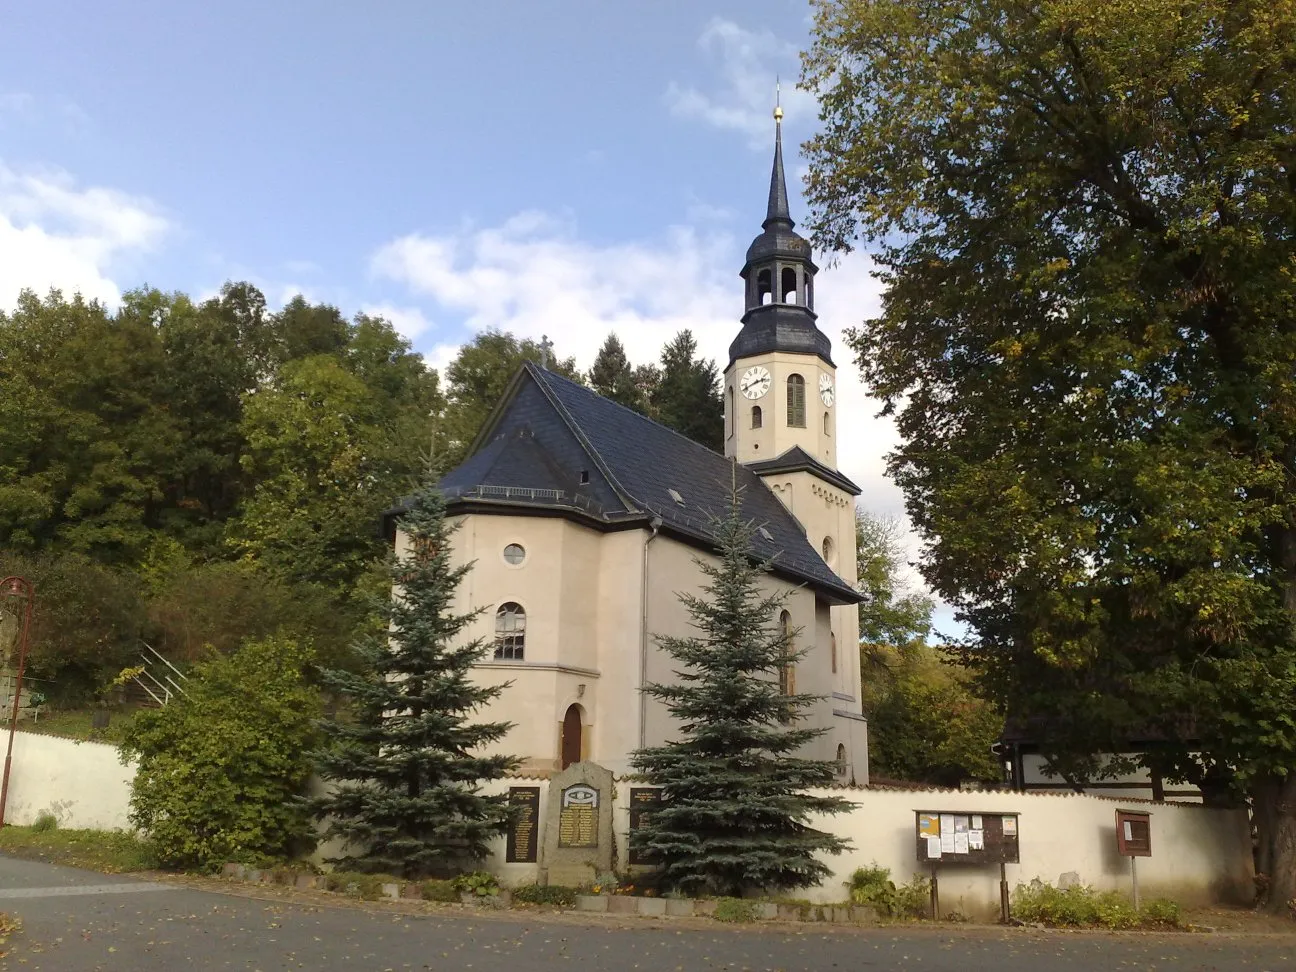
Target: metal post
935, 896
1134, 879
1004, 913
15, 587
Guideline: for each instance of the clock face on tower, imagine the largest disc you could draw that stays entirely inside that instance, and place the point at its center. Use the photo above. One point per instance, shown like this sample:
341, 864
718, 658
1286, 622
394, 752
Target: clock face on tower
826, 390
755, 382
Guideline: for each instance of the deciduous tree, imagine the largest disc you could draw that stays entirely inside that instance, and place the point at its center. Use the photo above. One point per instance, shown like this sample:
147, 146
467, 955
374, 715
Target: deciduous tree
1084, 216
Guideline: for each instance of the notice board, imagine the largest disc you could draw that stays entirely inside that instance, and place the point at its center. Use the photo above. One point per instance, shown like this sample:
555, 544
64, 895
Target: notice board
965, 837
1134, 833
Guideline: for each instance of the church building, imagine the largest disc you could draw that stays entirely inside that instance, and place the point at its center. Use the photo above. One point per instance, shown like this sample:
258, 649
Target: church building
586, 520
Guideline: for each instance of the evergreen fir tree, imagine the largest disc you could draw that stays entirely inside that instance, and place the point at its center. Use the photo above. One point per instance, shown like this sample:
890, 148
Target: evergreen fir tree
405, 760
612, 377
734, 808
687, 397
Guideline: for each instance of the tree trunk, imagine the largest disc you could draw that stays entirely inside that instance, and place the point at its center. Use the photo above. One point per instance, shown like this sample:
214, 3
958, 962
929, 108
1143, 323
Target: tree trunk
1274, 804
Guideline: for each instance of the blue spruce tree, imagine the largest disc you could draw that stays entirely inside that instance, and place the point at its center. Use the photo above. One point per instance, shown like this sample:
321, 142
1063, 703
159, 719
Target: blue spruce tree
404, 759
735, 810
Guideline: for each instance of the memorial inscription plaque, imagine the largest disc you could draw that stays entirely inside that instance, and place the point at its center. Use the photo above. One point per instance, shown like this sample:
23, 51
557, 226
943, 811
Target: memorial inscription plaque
522, 844
578, 817
643, 801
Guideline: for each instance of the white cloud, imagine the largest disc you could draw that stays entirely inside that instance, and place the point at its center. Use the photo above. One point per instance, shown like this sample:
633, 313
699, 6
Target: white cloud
410, 322
56, 234
747, 63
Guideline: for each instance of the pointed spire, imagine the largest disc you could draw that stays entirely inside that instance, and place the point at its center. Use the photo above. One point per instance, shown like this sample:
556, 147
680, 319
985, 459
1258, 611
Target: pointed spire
778, 197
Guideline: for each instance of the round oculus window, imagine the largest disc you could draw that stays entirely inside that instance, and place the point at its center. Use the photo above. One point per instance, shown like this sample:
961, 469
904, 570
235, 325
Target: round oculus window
514, 553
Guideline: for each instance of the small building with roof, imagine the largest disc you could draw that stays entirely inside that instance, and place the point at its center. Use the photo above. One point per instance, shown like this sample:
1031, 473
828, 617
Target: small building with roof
586, 521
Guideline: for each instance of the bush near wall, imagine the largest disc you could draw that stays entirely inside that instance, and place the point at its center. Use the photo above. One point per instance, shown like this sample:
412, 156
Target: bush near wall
221, 770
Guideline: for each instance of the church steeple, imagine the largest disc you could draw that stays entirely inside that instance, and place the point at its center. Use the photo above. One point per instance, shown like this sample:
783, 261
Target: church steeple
777, 210
779, 273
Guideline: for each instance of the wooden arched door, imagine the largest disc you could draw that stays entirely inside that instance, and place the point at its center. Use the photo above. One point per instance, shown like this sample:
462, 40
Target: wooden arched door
571, 736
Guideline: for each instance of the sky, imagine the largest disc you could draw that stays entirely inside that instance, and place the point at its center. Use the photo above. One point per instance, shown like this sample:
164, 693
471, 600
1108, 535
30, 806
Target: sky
566, 168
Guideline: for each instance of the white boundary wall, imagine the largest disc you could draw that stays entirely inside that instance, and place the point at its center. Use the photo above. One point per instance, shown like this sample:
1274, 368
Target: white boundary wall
1200, 855
83, 784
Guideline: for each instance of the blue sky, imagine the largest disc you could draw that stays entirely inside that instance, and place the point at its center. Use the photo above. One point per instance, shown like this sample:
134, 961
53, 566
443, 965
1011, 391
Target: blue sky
563, 168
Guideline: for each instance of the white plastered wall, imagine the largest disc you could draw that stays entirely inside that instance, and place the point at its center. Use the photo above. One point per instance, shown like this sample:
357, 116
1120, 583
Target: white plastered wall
84, 785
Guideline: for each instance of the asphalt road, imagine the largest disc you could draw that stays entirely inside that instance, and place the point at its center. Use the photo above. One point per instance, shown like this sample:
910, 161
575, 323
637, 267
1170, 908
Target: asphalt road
78, 921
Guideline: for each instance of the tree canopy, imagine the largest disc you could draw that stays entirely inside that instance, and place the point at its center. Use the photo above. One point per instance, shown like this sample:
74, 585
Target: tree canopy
1084, 217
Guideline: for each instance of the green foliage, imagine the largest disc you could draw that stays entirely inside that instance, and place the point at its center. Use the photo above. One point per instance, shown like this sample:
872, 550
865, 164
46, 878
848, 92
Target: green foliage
1083, 217
734, 808
550, 894
106, 851
927, 725
612, 376
358, 884
1162, 912
407, 756
87, 625
1083, 907
221, 768
735, 910
439, 889
44, 823
482, 884
873, 886
892, 614
686, 397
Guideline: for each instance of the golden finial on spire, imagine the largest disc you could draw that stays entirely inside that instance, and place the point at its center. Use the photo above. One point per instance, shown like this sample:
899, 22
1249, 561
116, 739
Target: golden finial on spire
778, 99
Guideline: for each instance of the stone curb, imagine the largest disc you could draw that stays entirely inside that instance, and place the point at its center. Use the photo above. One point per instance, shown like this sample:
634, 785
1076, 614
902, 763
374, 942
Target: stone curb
589, 903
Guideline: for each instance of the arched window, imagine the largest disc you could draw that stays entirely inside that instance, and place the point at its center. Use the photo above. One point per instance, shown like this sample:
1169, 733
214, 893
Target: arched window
731, 417
826, 429
787, 671
764, 287
833, 635
841, 759
828, 551
796, 401
757, 417
788, 286
510, 632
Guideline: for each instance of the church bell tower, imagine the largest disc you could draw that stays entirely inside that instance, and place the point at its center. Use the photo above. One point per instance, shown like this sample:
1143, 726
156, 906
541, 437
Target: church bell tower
781, 383
780, 391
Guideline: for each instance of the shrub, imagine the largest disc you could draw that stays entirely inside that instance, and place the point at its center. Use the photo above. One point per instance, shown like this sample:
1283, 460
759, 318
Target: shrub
44, 822
479, 883
735, 910
873, 886
1162, 912
439, 889
1085, 907
221, 768
552, 894
355, 884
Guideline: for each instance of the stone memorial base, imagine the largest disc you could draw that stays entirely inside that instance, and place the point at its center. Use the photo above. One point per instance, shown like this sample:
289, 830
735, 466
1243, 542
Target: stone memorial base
578, 826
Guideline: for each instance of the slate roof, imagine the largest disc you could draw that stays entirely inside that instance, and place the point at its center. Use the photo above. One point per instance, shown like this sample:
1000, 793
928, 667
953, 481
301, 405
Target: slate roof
797, 459
630, 465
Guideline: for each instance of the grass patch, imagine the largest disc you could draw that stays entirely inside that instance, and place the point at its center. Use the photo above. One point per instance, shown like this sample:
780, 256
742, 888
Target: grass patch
109, 851
356, 884
551, 894
77, 724
439, 889
1085, 907
735, 910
